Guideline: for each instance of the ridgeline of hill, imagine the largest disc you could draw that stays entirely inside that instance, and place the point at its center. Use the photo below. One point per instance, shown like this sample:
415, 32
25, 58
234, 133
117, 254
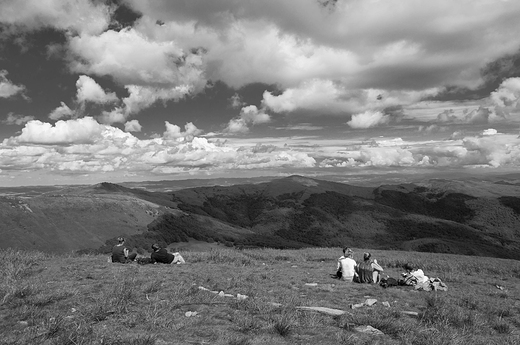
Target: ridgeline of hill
470, 217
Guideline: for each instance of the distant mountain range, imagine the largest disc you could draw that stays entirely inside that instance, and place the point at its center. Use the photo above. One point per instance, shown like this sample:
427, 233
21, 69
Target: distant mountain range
471, 217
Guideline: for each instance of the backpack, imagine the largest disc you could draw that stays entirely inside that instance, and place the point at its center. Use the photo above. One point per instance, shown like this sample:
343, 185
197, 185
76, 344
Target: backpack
387, 282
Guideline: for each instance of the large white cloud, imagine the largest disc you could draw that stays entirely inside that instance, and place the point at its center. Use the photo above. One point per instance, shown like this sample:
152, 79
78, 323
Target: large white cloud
150, 70
417, 47
84, 145
331, 97
84, 130
83, 16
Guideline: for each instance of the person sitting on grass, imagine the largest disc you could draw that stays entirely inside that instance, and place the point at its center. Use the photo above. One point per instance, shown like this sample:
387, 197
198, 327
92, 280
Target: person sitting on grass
346, 265
413, 275
120, 252
161, 255
368, 271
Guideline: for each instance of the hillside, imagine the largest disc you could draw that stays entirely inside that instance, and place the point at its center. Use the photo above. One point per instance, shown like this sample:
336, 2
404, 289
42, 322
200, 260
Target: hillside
75, 218
254, 297
470, 217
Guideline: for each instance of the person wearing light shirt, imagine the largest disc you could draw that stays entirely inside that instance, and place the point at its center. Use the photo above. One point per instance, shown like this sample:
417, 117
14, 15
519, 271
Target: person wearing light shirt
347, 265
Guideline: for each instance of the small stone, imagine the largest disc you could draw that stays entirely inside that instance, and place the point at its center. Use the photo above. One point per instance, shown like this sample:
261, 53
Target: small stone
311, 284
386, 304
368, 330
371, 301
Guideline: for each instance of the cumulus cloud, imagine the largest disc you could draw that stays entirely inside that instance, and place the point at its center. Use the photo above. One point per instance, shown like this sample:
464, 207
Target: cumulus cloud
133, 126
82, 16
89, 90
249, 115
115, 115
14, 119
508, 93
63, 111
336, 98
490, 131
7, 88
174, 132
270, 41
84, 130
368, 119
101, 148
150, 70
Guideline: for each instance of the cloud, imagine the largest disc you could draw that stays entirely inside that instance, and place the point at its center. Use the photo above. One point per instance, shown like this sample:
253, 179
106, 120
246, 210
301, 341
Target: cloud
368, 119
174, 132
13, 119
90, 91
235, 101
326, 96
98, 148
490, 131
417, 47
150, 70
81, 16
115, 115
7, 88
249, 116
84, 130
507, 97
133, 126
61, 112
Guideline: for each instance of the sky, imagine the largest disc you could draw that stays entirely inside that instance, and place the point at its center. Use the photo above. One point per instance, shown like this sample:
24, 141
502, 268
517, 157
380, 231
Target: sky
136, 90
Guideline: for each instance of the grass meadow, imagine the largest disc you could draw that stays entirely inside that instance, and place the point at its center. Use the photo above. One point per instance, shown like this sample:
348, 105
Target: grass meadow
83, 299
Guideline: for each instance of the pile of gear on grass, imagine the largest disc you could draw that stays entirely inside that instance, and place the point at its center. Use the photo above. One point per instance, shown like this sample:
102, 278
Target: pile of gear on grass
370, 272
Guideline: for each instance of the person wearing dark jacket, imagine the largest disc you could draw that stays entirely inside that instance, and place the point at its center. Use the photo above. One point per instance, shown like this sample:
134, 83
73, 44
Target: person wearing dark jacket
161, 255
368, 271
120, 252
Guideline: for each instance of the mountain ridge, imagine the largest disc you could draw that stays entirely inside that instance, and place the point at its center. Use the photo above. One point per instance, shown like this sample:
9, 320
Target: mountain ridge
471, 218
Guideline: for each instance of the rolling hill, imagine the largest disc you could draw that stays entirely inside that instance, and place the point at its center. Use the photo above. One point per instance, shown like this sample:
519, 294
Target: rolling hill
471, 217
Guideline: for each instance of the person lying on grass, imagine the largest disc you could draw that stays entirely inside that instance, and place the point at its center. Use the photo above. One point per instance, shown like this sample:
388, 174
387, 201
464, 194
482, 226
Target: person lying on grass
120, 252
412, 276
161, 255
346, 266
368, 271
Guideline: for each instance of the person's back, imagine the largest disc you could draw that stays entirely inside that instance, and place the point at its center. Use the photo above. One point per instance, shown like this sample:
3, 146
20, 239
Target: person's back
162, 256
347, 265
365, 272
118, 253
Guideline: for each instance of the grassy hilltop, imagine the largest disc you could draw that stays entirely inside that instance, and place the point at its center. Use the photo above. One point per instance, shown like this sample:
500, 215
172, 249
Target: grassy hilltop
83, 299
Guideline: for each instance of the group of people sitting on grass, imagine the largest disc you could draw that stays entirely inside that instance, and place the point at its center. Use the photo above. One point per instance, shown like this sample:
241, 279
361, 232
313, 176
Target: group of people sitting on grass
121, 254
370, 272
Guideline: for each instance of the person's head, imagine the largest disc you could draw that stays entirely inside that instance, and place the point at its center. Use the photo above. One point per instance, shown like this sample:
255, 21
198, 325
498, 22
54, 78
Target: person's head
347, 252
155, 247
366, 256
409, 266
120, 240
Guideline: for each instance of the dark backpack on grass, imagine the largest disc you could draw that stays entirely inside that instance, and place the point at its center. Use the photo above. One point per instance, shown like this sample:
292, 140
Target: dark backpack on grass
387, 282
